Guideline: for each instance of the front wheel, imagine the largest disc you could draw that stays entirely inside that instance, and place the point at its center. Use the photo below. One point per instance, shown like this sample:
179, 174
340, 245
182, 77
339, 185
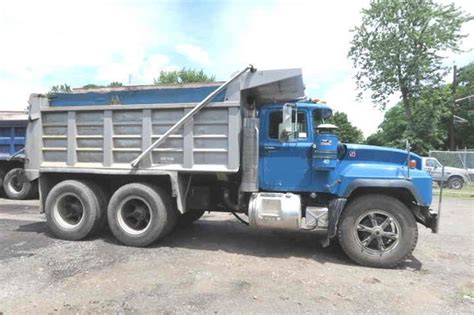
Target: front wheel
377, 231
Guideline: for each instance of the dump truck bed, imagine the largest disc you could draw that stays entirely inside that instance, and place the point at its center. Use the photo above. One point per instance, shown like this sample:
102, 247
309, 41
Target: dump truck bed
113, 136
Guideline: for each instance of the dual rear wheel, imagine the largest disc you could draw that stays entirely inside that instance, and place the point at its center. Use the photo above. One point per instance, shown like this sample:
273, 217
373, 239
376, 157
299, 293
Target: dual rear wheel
138, 214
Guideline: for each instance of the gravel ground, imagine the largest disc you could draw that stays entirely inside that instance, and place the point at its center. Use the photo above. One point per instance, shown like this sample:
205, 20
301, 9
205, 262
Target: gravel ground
220, 266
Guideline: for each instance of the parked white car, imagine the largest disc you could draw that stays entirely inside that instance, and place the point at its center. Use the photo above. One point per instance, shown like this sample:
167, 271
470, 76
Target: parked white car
454, 178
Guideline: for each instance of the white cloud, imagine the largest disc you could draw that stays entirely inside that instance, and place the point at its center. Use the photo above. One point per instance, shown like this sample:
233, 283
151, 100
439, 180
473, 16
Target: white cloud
57, 36
317, 41
342, 97
139, 71
193, 53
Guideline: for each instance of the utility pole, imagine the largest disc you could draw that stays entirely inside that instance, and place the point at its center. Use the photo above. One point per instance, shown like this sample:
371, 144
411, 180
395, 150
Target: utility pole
453, 106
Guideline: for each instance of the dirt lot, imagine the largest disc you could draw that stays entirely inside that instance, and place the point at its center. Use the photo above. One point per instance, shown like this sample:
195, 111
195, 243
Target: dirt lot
220, 266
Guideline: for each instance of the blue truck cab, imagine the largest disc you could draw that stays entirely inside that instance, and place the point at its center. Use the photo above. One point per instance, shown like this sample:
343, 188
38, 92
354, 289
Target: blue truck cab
371, 192
312, 159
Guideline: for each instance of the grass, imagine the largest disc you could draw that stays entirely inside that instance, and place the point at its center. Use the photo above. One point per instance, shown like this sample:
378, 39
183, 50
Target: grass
465, 193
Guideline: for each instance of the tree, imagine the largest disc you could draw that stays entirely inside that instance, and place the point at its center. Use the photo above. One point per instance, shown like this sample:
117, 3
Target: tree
183, 76
62, 88
464, 132
429, 118
346, 131
398, 48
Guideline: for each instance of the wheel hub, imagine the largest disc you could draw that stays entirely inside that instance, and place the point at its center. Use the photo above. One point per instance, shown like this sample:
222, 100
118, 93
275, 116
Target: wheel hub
134, 215
377, 232
68, 211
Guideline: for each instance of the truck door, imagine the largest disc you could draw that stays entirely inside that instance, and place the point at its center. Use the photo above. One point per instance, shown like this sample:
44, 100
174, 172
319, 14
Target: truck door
285, 159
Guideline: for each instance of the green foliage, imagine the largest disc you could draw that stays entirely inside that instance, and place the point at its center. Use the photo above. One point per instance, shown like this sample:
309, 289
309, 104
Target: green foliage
346, 131
428, 131
61, 88
183, 76
399, 45
115, 84
432, 112
92, 86
96, 86
464, 133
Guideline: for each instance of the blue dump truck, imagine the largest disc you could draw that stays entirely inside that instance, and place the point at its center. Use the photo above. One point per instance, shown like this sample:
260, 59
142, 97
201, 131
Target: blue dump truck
12, 141
146, 159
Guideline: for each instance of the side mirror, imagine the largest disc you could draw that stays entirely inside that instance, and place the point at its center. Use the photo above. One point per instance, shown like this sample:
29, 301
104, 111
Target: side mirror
287, 128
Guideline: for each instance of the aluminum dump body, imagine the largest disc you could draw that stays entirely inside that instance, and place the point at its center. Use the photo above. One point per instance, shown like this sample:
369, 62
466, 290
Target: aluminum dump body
106, 129
12, 133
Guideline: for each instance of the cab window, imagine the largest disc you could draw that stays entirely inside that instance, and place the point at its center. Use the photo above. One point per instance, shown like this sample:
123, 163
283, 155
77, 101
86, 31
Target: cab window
275, 126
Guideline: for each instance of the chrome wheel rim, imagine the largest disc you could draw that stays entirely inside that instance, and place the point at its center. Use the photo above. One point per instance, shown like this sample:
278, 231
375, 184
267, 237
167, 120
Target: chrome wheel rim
134, 215
377, 232
68, 210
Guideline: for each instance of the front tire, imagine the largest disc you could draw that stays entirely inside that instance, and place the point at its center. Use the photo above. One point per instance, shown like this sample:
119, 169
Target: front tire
377, 231
139, 214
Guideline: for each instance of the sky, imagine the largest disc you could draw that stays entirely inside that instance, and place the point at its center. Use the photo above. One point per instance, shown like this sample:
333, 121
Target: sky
44, 43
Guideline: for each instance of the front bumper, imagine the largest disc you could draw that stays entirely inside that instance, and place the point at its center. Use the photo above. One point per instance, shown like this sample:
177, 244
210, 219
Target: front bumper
427, 217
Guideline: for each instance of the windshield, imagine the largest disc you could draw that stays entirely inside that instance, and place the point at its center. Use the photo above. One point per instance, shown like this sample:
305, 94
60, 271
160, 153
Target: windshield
317, 119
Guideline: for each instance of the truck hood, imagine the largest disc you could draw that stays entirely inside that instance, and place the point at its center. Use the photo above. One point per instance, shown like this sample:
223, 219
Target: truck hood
360, 152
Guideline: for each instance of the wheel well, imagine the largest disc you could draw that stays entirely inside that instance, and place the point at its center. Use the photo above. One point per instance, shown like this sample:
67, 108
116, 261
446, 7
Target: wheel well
402, 194
109, 183
8, 165
456, 176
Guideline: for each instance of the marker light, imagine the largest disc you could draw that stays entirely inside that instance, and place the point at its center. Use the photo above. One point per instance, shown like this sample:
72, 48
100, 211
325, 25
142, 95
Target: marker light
318, 100
412, 164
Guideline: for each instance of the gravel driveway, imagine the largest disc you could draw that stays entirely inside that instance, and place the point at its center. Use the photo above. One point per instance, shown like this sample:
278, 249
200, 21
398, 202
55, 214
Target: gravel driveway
221, 266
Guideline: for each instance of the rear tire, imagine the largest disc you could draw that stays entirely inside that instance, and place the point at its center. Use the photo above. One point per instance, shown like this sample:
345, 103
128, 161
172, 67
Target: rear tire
72, 210
377, 231
139, 214
189, 217
16, 188
103, 201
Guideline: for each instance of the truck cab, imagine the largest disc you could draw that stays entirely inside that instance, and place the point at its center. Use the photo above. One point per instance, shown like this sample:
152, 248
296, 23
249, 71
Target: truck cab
305, 155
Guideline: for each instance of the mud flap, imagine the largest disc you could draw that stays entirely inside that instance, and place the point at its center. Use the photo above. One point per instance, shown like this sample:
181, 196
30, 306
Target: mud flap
334, 212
